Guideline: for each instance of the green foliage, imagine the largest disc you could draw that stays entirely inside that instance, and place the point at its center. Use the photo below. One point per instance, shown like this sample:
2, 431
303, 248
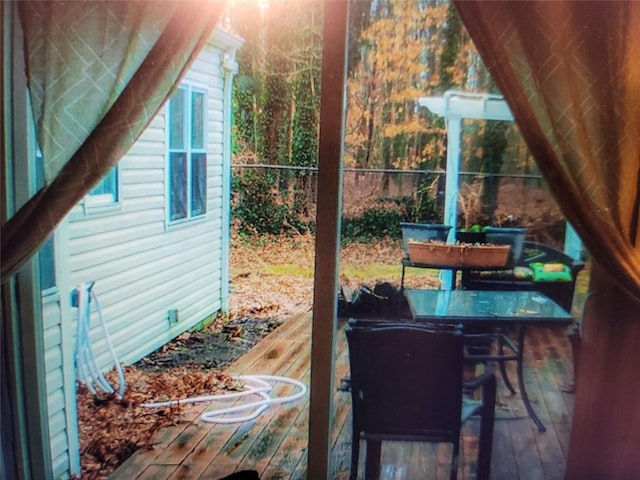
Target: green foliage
277, 94
399, 50
449, 56
305, 125
383, 220
243, 112
373, 224
259, 209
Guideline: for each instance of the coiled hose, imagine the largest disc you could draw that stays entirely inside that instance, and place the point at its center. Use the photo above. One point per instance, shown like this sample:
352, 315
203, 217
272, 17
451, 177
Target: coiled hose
90, 374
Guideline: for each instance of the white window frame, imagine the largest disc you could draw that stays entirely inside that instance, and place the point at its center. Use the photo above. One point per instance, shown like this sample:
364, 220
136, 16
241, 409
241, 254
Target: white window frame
189, 150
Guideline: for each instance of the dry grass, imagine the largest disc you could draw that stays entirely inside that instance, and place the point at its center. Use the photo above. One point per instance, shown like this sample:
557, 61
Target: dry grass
274, 276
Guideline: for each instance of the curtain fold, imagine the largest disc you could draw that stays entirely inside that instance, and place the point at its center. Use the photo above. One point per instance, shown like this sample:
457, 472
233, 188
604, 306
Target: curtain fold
569, 72
97, 73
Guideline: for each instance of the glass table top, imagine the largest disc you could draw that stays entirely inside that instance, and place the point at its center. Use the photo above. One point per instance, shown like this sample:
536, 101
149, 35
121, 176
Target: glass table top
480, 305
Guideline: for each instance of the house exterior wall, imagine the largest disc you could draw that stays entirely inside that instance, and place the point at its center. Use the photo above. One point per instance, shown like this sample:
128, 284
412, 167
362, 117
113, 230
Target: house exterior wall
59, 433
142, 265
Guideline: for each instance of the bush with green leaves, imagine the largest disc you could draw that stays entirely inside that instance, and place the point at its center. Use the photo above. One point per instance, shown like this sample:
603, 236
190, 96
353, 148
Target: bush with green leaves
372, 224
383, 220
421, 207
259, 208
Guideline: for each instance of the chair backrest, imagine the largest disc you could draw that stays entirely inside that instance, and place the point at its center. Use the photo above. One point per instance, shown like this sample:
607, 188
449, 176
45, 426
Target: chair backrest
406, 380
539, 252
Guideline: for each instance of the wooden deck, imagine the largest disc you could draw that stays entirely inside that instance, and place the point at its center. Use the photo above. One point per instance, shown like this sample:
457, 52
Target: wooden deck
275, 444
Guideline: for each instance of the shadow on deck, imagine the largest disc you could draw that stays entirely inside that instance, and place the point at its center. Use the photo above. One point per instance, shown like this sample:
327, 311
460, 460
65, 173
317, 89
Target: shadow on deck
275, 444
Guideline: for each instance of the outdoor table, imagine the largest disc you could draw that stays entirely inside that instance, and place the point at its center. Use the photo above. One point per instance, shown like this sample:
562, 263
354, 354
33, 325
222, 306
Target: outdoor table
489, 310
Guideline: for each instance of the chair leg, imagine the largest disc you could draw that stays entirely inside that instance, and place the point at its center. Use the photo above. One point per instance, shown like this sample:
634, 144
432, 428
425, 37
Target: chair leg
575, 342
372, 460
503, 370
455, 459
355, 455
487, 419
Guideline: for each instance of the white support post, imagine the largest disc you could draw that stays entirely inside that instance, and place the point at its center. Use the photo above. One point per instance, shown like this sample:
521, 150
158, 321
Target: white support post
454, 137
572, 243
454, 107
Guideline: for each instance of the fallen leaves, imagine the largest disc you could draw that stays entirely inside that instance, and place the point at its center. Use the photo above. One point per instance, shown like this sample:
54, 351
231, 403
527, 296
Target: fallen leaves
111, 429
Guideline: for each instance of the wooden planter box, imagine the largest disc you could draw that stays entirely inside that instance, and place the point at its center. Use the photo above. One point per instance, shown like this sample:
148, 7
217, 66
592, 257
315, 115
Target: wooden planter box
422, 232
436, 253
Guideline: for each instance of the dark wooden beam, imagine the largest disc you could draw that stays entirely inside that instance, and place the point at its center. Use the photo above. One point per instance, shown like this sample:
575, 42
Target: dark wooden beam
331, 142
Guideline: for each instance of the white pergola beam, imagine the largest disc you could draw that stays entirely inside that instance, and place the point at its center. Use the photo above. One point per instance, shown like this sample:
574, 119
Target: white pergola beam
480, 106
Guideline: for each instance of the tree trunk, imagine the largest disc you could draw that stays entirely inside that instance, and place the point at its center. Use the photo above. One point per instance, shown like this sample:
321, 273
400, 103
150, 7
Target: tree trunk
494, 143
605, 435
290, 124
371, 88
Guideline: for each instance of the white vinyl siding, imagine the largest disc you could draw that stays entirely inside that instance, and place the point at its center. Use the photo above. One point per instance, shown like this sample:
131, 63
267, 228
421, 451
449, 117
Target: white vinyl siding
60, 392
143, 269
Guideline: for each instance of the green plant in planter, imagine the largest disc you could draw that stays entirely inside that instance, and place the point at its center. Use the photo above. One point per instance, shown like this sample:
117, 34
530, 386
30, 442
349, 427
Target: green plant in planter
474, 234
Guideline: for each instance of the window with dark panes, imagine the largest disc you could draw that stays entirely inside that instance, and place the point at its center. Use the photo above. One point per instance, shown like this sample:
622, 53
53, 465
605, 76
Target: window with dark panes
106, 192
187, 154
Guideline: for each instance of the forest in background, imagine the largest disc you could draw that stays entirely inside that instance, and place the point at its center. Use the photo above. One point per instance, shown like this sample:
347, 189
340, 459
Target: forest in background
398, 51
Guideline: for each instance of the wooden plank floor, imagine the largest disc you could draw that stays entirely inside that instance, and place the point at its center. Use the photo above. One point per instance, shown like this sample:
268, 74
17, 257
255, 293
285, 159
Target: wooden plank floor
275, 444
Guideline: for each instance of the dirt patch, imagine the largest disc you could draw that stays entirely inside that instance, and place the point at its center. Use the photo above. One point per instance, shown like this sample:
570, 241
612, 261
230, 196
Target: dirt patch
210, 348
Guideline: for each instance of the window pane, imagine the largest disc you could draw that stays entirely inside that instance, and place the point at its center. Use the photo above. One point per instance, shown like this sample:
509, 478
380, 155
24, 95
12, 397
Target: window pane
108, 186
178, 185
197, 120
176, 120
46, 259
198, 184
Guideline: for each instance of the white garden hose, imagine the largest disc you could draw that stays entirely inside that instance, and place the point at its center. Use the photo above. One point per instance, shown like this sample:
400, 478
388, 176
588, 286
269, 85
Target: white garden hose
258, 385
90, 374
87, 368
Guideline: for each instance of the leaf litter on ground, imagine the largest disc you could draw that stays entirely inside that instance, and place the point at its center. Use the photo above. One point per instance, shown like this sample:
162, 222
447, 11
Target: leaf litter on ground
193, 364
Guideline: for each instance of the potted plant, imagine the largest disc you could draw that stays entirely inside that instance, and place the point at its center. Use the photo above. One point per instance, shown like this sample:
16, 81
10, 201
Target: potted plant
473, 234
470, 207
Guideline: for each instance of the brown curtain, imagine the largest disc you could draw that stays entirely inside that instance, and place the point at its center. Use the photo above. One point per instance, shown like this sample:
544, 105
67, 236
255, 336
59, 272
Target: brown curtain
97, 73
569, 70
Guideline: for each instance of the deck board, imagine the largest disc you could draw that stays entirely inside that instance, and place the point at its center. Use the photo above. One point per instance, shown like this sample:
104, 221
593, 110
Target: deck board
275, 444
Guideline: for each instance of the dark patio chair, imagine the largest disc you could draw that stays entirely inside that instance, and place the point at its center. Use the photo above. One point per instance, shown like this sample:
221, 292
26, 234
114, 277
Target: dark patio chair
407, 385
